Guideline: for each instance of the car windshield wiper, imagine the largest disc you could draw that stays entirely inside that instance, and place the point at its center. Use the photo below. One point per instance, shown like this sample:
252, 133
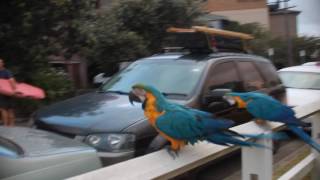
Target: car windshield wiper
114, 91
175, 94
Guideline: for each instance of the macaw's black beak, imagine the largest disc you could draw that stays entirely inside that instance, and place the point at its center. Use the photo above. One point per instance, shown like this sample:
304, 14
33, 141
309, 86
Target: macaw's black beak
133, 98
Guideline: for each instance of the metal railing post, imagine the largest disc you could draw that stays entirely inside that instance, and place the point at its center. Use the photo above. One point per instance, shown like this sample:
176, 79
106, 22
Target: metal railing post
257, 162
316, 135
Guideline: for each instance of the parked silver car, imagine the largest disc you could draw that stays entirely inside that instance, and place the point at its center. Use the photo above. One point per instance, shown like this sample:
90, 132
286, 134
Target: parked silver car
30, 154
302, 83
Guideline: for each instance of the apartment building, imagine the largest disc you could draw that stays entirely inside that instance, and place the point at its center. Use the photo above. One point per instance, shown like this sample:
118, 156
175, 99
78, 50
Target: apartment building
243, 11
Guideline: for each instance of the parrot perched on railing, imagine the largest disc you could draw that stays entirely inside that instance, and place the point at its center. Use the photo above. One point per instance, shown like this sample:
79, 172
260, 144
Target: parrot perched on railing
181, 125
265, 107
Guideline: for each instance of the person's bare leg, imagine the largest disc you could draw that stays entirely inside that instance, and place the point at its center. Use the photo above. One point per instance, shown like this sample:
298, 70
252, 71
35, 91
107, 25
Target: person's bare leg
5, 117
11, 117
1, 118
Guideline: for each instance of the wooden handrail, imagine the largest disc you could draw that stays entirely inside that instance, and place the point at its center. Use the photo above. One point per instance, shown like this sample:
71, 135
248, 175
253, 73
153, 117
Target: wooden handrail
159, 165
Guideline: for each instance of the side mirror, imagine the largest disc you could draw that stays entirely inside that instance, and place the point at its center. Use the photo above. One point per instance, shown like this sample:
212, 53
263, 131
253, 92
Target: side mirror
215, 95
100, 78
214, 99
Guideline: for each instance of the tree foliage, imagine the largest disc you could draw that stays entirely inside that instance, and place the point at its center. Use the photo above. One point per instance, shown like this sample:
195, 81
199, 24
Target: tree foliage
150, 18
131, 29
32, 30
111, 44
264, 40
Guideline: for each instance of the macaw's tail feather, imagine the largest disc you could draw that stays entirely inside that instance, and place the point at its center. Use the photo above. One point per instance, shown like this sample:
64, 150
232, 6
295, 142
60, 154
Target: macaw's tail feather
234, 133
273, 136
223, 139
304, 136
302, 124
306, 124
297, 122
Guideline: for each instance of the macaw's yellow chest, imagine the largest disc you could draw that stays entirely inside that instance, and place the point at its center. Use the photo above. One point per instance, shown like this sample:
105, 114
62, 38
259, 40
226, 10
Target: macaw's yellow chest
152, 114
150, 110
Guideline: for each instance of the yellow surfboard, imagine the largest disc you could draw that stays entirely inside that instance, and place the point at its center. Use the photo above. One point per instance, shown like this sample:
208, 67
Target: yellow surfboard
211, 31
214, 35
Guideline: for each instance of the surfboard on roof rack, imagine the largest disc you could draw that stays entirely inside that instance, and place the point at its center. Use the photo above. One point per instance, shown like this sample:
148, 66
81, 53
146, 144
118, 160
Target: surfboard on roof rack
205, 38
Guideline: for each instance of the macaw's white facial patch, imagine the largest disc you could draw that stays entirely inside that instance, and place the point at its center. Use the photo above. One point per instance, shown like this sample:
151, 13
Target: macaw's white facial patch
230, 100
141, 93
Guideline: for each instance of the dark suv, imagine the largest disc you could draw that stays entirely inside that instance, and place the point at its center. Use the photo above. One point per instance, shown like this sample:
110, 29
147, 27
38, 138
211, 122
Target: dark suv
107, 121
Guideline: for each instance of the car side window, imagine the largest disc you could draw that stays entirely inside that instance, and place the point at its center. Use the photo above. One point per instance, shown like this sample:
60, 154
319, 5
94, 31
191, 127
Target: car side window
270, 73
251, 76
224, 76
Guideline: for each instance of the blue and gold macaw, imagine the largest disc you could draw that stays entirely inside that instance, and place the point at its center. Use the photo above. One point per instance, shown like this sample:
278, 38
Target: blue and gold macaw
267, 108
181, 125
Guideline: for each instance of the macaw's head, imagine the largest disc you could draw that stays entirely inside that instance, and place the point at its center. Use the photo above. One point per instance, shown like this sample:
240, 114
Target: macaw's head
241, 99
138, 93
141, 93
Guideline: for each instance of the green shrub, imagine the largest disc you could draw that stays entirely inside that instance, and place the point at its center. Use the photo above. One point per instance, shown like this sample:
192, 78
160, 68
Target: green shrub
56, 85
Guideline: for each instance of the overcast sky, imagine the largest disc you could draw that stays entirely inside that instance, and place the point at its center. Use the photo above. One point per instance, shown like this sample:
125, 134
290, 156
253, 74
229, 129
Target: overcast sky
309, 19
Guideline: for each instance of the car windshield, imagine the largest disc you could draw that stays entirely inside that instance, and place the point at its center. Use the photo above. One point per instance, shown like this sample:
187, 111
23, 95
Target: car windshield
171, 77
301, 80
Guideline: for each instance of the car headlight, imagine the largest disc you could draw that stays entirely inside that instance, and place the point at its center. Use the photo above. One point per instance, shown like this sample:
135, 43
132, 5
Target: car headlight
111, 142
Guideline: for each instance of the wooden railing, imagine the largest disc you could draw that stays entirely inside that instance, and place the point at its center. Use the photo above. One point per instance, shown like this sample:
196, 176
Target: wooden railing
256, 162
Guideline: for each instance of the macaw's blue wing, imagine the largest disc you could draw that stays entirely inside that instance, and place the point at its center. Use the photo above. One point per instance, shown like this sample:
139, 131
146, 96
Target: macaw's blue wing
196, 111
190, 125
180, 125
209, 119
270, 109
184, 125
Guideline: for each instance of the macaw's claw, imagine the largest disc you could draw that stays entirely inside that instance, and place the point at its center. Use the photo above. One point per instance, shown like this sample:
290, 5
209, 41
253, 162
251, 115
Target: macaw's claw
173, 153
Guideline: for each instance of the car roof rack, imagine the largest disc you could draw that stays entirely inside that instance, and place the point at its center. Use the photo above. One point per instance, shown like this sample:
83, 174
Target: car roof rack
204, 39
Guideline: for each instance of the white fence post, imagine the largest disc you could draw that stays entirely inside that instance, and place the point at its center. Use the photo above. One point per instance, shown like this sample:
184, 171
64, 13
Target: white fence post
316, 135
257, 162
